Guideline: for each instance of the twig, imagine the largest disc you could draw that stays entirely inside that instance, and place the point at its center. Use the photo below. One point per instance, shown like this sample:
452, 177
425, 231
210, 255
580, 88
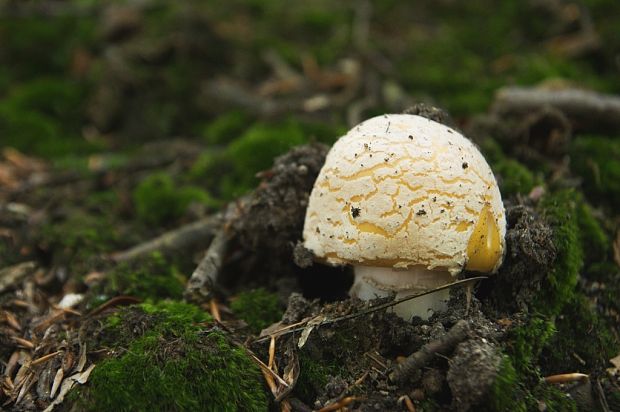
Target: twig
586, 110
287, 329
417, 360
200, 232
12, 275
205, 277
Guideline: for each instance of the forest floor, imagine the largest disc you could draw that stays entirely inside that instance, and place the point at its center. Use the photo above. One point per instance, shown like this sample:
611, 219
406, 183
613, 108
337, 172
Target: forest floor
155, 167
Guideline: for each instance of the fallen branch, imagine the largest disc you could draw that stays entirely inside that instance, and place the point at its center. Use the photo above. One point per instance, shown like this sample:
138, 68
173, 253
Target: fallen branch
199, 232
419, 359
586, 110
201, 284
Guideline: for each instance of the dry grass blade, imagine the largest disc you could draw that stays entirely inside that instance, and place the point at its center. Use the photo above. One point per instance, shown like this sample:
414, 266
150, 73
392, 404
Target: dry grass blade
290, 329
408, 403
338, 405
45, 358
12, 320
56, 383
45, 323
272, 352
214, 309
115, 301
566, 378
24, 343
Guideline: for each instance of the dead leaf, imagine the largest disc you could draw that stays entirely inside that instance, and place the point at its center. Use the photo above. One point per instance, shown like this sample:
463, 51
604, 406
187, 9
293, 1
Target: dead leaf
316, 321
616, 361
67, 385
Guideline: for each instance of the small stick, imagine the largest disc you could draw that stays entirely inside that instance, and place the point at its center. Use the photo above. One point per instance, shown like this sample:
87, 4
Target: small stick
419, 359
586, 110
566, 378
199, 232
205, 277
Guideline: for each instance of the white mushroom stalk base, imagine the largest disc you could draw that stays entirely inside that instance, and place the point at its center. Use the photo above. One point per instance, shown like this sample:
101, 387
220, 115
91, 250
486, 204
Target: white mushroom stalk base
374, 282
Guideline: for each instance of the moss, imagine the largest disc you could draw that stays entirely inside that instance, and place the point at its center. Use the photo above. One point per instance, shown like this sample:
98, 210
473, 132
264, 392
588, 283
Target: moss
580, 332
509, 393
594, 240
527, 342
506, 394
158, 200
595, 159
232, 172
79, 235
226, 128
258, 308
152, 279
515, 177
173, 366
314, 375
29, 37
561, 210
255, 150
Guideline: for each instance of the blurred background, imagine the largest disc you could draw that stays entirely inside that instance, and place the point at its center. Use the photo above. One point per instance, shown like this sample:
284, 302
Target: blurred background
194, 98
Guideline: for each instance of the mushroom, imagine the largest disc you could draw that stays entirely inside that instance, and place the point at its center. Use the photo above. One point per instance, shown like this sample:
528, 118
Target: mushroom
409, 203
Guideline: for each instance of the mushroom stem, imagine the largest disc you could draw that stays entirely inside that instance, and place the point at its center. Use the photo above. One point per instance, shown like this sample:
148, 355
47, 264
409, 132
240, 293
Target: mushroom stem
374, 282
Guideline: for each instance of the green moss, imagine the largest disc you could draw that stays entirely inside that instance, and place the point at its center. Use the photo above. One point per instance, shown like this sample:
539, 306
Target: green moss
594, 240
595, 159
159, 200
509, 393
552, 399
513, 176
80, 235
579, 332
152, 278
28, 38
232, 172
226, 128
255, 150
258, 308
314, 375
173, 366
506, 394
561, 210
527, 342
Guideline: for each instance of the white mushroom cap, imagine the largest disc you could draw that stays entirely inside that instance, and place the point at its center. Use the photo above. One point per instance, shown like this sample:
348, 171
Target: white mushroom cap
402, 191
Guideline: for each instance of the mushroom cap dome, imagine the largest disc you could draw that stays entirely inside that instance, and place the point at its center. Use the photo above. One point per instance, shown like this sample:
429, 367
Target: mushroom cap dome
401, 191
